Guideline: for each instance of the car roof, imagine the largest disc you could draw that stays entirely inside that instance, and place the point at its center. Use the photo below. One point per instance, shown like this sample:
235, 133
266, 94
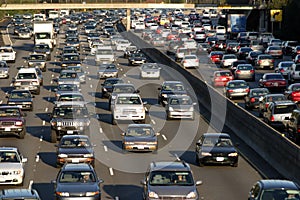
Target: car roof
77, 167
8, 149
282, 184
175, 82
75, 136
19, 193
139, 125
27, 70
170, 166
70, 103
216, 135
128, 94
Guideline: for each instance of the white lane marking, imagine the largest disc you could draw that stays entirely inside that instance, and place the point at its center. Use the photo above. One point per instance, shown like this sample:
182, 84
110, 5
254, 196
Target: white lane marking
30, 184
105, 148
41, 138
91, 86
52, 75
111, 171
100, 130
153, 122
164, 137
124, 75
1, 102
51, 82
37, 158
128, 81
90, 79
25, 61
46, 109
44, 122
116, 198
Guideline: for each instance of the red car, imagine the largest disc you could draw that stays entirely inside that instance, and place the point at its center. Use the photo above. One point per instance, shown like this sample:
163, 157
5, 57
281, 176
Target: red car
215, 56
293, 92
220, 78
273, 81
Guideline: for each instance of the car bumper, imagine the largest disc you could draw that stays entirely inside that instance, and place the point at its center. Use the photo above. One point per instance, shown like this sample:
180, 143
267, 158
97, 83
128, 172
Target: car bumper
10, 130
4, 75
22, 106
181, 115
238, 94
129, 117
11, 179
62, 161
97, 197
222, 160
107, 75
138, 147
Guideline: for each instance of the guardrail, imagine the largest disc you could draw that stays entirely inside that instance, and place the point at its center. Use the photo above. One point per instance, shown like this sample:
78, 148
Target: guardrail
277, 150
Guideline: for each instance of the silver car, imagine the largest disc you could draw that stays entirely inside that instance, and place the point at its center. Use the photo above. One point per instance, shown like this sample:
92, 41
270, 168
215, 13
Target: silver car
108, 71
180, 107
150, 70
236, 88
4, 69
68, 77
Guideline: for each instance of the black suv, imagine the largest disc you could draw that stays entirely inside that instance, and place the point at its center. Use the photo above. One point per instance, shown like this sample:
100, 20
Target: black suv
170, 180
69, 118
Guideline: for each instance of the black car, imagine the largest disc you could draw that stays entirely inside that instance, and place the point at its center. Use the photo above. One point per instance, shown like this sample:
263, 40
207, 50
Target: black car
216, 148
108, 86
137, 58
43, 49
275, 189
73, 42
170, 88
75, 149
243, 52
129, 50
22, 98
69, 59
254, 96
78, 181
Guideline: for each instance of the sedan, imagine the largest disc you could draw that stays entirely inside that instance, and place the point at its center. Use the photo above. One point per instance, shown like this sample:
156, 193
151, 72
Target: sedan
150, 70
227, 60
4, 69
80, 72
243, 52
216, 148
293, 92
264, 102
22, 98
37, 60
254, 96
245, 72
273, 81
170, 88
108, 71
140, 137
190, 61
284, 67
65, 88
274, 51
79, 181
180, 107
220, 78
215, 56
68, 77
75, 149
137, 58
264, 61
236, 88
252, 57
158, 41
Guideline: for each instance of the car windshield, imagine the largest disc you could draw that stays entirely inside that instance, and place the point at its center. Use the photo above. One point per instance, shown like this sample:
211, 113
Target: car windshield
169, 178
76, 177
9, 156
67, 87
110, 67
70, 112
71, 57
230, 57
124, 89
20, 95
273, 76
37, 57
139, 132
281, 109
75, 69
70, 97
150, 66
259, 92
68, 75
10, 112
286, 64
244, 67
237, 84
280, 194
217, 141
129, 100
3, 64
223, 74
181, 101
276, 98
26, 76
74, 142
173, 87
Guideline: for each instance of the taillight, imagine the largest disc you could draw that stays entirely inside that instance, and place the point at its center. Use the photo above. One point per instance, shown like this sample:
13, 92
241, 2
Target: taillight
281, 70
294, 94
260, 61
238, 71
247, 90
197, 60
272, 118
272, 61
230, 90
252, 100
251, 71
267, 105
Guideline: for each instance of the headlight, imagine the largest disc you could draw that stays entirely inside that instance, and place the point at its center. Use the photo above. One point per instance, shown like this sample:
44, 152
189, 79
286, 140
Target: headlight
11, 103
30, 63
152, 142
191, 195
91, 193
63, 194
164, 95
233, 154
104, 89
88, 155
153, 195
19, 123
53, 123
62, 155
171, 109
206, 154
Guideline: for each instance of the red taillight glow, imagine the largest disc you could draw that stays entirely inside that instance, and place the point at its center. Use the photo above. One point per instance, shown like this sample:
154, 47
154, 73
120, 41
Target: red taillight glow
252, 100
272, 119
230, 91
251, 71
238, 71
247, 90
267, 105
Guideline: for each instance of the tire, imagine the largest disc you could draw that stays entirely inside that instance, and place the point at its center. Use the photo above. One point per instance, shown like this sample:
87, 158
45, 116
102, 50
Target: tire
53, 136
22, 134
143, 121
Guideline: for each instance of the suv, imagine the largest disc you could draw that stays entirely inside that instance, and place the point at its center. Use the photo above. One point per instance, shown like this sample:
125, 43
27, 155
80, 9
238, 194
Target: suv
293, 126
12, 121
69, 118
11, 166
128, 107
278, 112
24, 194
170, 180
27, 79
8, 54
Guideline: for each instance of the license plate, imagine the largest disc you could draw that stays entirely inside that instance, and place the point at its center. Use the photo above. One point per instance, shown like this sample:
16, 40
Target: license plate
75, 160
69, 132
7, 129
140, 147
276, 84
239, 90
220, 159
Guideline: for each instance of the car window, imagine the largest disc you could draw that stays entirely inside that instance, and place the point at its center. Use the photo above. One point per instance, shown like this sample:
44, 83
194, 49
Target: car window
281, 109
26, 76
9, 112
167, 178
129, 100
9, 156
139, 131
76, 176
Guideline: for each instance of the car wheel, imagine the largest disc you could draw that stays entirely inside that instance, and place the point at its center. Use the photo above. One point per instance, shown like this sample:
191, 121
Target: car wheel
22, 134
200, 163
53, 136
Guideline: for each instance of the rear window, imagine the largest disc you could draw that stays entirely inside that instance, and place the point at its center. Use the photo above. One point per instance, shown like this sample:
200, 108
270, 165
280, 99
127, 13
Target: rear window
281, 109
297, 68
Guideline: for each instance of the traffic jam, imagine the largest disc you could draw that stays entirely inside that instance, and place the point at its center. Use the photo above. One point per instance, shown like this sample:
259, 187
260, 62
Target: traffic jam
78, 97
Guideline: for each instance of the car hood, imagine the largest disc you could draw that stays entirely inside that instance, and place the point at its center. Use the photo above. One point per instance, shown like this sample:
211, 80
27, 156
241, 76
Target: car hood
181, 107
10, 166
107, 70
172, 190
77, 187
9, 119
86, 150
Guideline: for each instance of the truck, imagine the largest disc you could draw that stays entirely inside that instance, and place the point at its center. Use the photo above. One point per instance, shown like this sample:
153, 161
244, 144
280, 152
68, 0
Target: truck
44, 33
236, 23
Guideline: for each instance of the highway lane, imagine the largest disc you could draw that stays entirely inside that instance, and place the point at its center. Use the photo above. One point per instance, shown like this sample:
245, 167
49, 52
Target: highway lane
121, 172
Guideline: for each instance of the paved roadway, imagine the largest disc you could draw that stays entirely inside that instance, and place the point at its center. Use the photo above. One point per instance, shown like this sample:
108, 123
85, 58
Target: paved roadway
122, 172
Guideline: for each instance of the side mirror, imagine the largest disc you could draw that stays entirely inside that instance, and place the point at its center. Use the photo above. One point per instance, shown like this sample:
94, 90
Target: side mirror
143, 182
199, 182
157, 134
100, 181
137, 91
145, 103
33, 96
194, 103
53, 182
24, 160
122, 134
159, 88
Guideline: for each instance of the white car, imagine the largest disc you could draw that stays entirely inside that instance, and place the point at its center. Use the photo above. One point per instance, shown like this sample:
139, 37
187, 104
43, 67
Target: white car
150, 70
220, 29
190, 61
180, 107
227, 60
122, 44
11, 166
128, 107
8, 54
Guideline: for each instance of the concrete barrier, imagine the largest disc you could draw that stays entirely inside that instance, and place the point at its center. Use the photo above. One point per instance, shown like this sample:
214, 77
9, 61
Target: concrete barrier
277, 150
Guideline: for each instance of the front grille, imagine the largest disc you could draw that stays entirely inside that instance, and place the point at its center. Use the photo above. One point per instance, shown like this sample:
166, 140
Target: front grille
129, 111
172, 198
7, 123
71, 123
5, 173
219, 154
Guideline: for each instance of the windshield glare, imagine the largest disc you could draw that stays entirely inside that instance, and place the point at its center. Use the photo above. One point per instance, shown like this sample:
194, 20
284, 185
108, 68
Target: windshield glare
169, 178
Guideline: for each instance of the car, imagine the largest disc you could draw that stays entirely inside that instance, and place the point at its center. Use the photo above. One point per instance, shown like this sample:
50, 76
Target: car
202, 48
297, 59
137, 58
71, 96
37, 60
215, 56
122, 44
21, 98
265, 37
264, 61
4, 69
274, 189
293, 126
27, 79
25, 194
295, 72
108, 71
277, 112
139, 137
77, 180
80, 72
128, 106
220, 78
68, 77
8, 54
170, 88
265, 100
216, 148
227, 60
243, 52
69, 118
231, 47
180, 107
296, 51
68, 59
274, 51
244, 72
108, 86
75, 149
24, 33
199, 36
181, 52
256, 45
65, 88
169, 180
236, 88
12, 163
275, 42
150, 70
158, 41
67, 50
252, 57
12, 121
43, 49
293, 92
235, 64
273, 81
254, 96
129, 50
73, 42
289, 46
241, 36
190, 61
285, 67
